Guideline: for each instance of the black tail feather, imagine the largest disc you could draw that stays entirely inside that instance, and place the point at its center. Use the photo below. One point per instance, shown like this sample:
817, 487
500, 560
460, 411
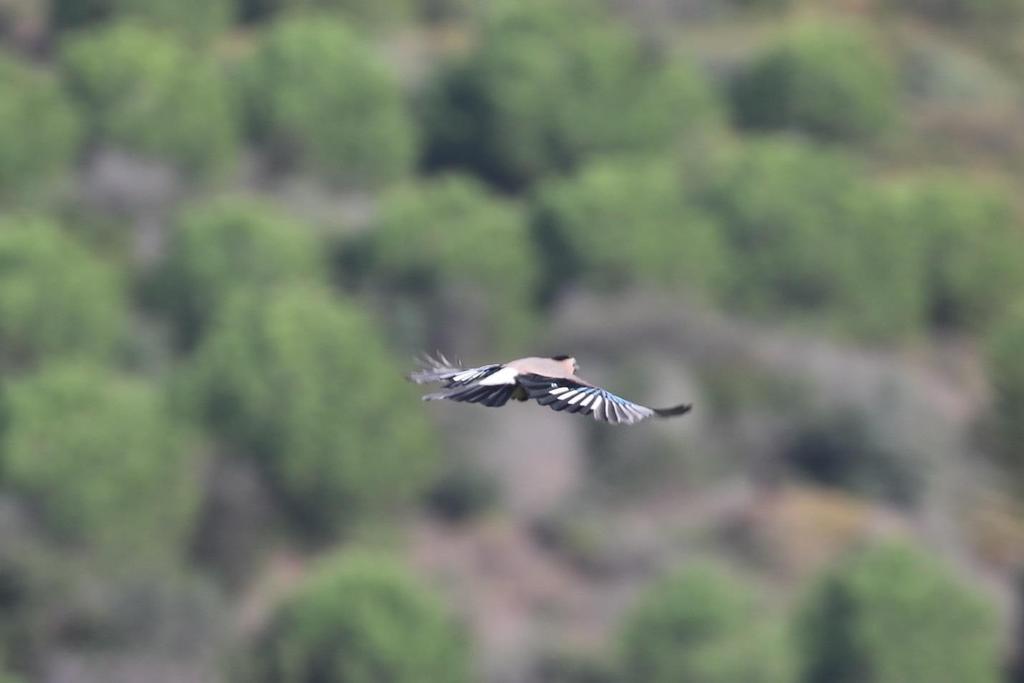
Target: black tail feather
674, 411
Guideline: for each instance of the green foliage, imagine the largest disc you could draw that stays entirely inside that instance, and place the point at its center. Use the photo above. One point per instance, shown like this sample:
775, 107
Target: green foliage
71, 13
619, 222
891, 615
812, 236
699, 625
39, 130
831, 82
198, 18
1006, 373
845, 449
363, 12
231, 245
453, 232
56, 299
1002, 14
359, 619
570, 666
322, 101
764, 6
143, 91
445, 10
301, 381
464, 490
536, 95
101, 458
974, 248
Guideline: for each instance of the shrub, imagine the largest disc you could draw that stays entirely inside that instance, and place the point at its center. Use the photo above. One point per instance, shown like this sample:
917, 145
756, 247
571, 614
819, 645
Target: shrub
322, 101
699, 625
101, 459
812, 236
845, 449
452, 233
958, 13
623, 222
359, 619
833, 83
363, 12
535, 95
38, 130
974, 247
1006, 375
890, 615
229, 245
56, 299
196, 18
144, 92
301, 382
71, 13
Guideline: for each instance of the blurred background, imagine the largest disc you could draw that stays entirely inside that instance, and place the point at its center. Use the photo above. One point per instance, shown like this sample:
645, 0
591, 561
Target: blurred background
227, 226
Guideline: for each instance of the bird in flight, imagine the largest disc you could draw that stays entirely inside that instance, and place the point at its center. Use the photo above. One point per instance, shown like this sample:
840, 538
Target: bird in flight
550, 382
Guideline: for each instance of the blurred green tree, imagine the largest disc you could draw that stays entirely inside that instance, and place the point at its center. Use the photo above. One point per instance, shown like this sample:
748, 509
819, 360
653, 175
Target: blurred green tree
302, 382
102, 460
56, 299
39, 130
451, 233
195, 18
889, 615
445, 10
998, 14
228, 245
974, 248
811, 236
359, 619
70, 13
764, 6
618, 222
144, 92
844, 448
321, 100
1005, 364
362, 12
536, 93
832, 82
702, 626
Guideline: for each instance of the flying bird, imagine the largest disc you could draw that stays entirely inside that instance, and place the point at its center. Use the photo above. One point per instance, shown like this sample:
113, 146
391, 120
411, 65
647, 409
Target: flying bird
550, 382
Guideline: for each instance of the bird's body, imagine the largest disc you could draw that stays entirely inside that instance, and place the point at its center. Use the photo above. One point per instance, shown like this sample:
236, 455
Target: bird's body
550, 381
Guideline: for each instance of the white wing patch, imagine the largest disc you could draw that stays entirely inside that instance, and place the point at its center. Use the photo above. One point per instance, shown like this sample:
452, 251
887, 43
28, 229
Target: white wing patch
503, 376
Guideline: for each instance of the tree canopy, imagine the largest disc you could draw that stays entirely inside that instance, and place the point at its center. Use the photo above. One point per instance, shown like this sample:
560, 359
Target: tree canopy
300, 381
358, 619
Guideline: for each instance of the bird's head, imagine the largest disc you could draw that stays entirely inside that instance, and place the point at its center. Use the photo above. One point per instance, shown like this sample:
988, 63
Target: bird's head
568, 361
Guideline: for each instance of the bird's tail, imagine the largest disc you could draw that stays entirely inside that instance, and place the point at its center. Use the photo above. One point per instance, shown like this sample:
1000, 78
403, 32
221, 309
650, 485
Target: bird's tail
435, 368
674, 411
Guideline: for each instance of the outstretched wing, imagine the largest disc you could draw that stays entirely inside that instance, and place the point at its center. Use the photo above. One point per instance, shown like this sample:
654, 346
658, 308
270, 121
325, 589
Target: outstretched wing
575, 397
489, 385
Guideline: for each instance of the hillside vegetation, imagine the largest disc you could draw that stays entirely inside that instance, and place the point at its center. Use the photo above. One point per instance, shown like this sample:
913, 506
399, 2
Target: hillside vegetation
227, 226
